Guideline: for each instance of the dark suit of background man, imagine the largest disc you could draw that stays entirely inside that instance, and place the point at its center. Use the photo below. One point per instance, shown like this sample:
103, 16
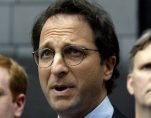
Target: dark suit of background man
77, 53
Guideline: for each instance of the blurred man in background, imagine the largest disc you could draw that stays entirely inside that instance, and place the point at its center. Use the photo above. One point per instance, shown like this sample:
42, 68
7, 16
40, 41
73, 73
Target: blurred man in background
139, 77
13, 87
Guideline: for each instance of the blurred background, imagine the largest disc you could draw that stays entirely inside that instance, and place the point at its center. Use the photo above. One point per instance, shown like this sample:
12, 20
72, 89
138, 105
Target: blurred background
131, 18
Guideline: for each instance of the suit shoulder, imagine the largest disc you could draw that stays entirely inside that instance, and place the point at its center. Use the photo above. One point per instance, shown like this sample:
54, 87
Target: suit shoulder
118, 114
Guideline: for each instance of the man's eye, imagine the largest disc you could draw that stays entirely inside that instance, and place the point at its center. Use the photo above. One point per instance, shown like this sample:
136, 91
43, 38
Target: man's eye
146, 66
1, 92
46, 54
73, 52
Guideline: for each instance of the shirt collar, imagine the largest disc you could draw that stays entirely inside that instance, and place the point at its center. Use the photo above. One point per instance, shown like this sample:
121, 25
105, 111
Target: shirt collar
103, 110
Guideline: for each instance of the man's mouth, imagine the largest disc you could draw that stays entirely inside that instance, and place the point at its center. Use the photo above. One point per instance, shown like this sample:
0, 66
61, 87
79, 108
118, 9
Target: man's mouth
60, 88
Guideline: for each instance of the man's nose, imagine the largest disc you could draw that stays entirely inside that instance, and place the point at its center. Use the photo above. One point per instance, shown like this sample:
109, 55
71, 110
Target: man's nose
59, 67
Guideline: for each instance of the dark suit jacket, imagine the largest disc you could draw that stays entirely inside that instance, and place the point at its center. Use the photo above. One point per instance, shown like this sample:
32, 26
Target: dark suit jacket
117, 113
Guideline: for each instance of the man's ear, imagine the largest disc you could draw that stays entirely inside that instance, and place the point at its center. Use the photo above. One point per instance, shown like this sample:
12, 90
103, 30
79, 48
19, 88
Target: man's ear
19, 105
109, 67
130, 86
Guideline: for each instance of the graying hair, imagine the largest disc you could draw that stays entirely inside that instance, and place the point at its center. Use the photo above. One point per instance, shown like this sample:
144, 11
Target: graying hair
140, 44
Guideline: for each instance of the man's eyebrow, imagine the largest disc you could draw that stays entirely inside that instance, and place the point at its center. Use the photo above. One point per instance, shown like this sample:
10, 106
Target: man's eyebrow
47, 44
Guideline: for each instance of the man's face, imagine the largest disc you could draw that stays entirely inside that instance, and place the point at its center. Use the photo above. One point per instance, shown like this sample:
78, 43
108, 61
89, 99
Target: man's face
139, 81
71, 89
7, 107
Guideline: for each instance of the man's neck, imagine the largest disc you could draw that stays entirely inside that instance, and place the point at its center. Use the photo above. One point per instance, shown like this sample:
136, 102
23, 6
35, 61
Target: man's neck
142, 112
97, 111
